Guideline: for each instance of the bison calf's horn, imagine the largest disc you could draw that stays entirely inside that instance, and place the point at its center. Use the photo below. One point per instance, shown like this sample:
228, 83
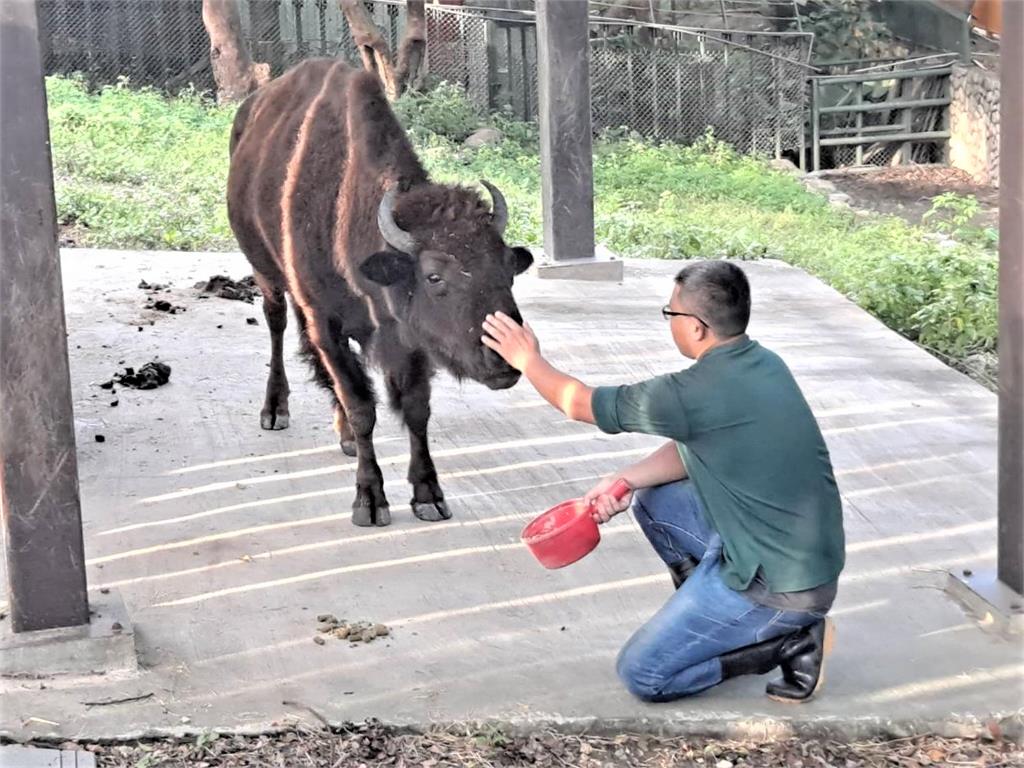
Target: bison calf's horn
393, 234
499, 208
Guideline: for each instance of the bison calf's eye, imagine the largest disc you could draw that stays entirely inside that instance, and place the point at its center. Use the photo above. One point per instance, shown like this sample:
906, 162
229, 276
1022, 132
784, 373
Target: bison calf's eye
435, 279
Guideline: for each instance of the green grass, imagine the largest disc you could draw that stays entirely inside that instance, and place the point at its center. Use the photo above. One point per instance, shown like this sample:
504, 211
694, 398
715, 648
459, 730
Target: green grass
136, 170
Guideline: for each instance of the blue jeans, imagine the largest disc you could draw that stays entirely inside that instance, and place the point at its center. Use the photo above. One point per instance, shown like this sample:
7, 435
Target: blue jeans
677, 652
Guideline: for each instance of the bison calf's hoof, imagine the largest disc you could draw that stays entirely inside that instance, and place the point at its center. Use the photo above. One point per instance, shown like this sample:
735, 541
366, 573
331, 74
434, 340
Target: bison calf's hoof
272, 420
431, 511
368, 517
348, 447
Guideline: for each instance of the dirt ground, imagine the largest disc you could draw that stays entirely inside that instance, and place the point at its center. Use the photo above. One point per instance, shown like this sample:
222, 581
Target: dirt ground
907, 191
373, 744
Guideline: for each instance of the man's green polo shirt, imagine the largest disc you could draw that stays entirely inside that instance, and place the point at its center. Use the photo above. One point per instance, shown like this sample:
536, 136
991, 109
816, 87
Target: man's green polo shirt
756, 456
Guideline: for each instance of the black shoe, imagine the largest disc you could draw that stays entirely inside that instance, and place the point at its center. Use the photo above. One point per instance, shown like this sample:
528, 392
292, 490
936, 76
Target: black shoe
758, 659
681, 571
803, 668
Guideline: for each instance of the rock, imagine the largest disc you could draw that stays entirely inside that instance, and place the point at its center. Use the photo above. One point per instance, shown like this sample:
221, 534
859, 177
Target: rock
483, 138
368, 636
252, 321
327, 618
723, 764
319, 640
786, 166
381, 631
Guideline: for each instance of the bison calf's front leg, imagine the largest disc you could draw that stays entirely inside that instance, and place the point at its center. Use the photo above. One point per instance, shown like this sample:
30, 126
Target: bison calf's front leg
409, 392
354, 392
371, 505
274, 414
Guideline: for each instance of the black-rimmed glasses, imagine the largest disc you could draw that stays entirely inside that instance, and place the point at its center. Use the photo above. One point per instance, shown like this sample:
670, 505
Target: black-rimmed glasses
668, 314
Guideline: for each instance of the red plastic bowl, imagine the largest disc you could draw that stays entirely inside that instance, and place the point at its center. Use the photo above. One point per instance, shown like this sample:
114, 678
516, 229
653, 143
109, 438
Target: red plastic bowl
567, 532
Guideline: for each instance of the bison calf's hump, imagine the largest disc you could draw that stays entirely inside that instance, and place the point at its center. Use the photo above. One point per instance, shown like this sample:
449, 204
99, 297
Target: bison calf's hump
288, 161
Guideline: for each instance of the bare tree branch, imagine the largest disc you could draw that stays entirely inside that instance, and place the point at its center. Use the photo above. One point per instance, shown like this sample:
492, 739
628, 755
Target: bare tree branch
233, 69
409, 71
372, 47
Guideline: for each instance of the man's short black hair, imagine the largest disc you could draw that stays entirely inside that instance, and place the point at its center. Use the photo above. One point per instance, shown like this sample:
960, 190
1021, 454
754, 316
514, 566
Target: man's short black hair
719, 293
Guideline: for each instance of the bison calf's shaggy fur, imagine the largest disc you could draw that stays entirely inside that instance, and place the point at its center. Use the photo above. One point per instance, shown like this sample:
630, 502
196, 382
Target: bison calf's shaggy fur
331, 205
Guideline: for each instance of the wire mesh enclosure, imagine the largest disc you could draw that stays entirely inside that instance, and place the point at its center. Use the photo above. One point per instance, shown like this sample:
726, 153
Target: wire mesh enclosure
161, 43
662, 82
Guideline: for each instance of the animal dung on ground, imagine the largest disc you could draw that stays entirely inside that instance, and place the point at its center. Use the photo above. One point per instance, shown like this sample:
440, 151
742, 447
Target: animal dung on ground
149, 376
224, 287
153, 287
352, 631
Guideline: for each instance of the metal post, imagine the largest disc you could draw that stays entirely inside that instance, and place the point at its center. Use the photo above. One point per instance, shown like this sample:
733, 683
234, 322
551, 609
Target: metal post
1010, 567
563, 81
859, 151
815, 126
39, 503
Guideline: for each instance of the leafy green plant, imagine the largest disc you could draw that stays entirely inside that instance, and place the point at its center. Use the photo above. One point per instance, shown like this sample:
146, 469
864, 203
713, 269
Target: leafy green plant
954, 215
444, 111
847, 29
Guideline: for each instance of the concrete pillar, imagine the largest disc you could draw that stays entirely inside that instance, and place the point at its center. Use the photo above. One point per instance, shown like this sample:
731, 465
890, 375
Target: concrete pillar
39, 500
997, 595
1011, 301
566, 152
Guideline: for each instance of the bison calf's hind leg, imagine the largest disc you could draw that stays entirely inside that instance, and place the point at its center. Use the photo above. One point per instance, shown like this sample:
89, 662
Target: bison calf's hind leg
275, 407
344, 431
409, 393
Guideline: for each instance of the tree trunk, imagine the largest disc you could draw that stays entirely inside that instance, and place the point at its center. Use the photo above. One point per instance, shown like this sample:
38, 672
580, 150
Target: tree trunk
372, 47
409, 71
233, 69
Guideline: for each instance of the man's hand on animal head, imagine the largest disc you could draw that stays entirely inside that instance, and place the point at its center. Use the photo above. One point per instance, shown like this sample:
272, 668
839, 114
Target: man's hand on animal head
516, 343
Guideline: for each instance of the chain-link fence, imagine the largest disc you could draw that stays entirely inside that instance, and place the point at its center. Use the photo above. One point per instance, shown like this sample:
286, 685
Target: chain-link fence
149, 42
666, 83
661, 82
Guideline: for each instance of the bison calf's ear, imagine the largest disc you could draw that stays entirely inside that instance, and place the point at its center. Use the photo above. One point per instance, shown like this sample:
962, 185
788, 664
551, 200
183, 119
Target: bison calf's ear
387, 267
523, 259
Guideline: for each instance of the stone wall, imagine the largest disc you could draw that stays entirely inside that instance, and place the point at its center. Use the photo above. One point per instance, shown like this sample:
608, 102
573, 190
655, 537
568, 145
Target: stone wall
974, 123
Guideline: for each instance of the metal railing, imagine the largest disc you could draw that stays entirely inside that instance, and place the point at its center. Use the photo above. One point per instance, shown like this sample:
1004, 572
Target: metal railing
880, 117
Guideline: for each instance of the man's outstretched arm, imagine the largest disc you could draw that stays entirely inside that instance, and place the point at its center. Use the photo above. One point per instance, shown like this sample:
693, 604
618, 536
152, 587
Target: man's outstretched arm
518, 345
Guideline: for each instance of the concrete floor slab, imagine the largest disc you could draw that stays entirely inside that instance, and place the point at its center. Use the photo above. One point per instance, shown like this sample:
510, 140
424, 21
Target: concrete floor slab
14, 756
226, 541
105, 644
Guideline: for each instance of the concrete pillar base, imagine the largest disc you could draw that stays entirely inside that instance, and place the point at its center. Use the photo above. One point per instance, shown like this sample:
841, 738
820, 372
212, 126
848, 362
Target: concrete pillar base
603, 267
987, 598
105, 644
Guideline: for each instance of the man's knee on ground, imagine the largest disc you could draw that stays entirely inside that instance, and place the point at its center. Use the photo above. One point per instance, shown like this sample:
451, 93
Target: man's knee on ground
639, 675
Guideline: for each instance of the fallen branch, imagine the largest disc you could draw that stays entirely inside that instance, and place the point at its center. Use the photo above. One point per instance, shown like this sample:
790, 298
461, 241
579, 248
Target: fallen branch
313, 712
109, 702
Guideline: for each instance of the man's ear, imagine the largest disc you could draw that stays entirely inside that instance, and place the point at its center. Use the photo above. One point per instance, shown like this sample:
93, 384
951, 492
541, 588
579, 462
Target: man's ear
388, 267
522, 259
